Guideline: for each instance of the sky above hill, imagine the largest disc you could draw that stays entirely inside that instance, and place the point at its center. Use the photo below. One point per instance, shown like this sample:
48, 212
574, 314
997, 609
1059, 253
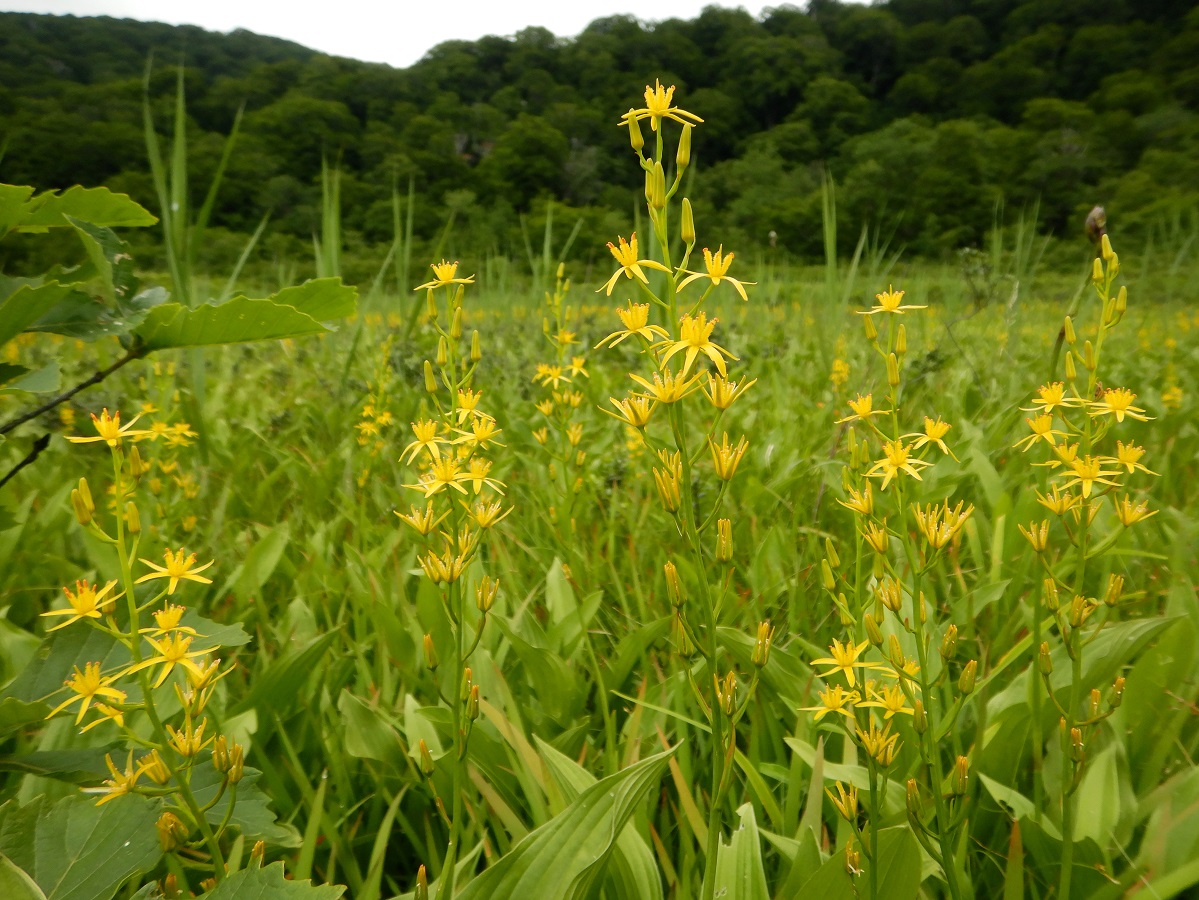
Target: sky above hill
398, 32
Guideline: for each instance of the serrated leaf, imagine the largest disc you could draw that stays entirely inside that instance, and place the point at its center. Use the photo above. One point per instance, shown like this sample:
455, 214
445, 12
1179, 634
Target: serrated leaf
240, 320
564, 857
76, 850
99, 206
739, 872
324, 299
632, 871
270, 883
27, 304
252, 813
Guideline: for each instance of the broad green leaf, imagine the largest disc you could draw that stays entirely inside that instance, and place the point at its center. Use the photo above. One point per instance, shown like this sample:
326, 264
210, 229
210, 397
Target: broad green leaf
632, 872
238, 321
40, 381
110, 258
564, 857
15, 884
8, 372
81, 316
899, 862
12, 202
270, 883
739, 872
1099, 799
368, 735
99, 206
76, 850
252, 813
1019, 805
324, 299
26, 305
418, 726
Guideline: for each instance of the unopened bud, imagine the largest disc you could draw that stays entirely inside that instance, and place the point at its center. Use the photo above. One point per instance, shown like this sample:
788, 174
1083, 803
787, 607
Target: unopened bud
826, 575
472, 703
871, 328
892, 370
1049, 595
831, 552
85, 494
687, 228
431, 660
966, 679
1096, 700
1122, 301
896, 653
765, 638
674, 587
486, 592
1068, 328
427, 766
913, 800
430, 378
961, 776
1071, 369
1088, 356
1115, 589
237, 763
1080, 609
1077, 749
456, 325
83, 515
1105, 247
683, 156
422, 885
724, 540
1113, 265
636, 141
172, 833
476, 349
901, 340
257, 855
431, 305
1117, 695
133, 521
137, 466
873, 632
949, 643
657, 199
1044, 660
443, 351
1097, 271
919, 717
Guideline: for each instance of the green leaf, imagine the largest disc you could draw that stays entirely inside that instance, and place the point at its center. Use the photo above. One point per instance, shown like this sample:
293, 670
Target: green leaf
76, 850
39, 381
15, 884
252, 813
8, 372
99, 206
277, 688
739, 872
899, 870
26, 305
632, 871
368, 735
12, 202
565, 856
240, 320
324, 299
270, 883
1099, 799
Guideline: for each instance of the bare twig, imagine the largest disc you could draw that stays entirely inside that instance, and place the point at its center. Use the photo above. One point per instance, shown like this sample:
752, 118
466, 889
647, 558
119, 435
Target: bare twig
38, 446
135, 353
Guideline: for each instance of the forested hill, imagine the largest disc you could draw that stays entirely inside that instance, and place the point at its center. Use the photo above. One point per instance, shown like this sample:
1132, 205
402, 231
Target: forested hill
924, 111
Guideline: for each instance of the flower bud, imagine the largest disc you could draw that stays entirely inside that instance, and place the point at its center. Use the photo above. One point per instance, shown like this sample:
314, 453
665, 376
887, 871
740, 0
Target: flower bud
687, 228
431, 660
1095, 700
476, 350
427, 766
896, 653
1097, 271
422, 885
237, 763
472, 703
1122, 301
456, 324
1071, 370
892, 370
1080, 610
674, 587
961, 776
826, 575
966, 679
431, 305
172, 833
765, 638
443, 351
873, 632
1113, 265
831, 552
83, 515
1088, 356
133, 521
949, 643
486, 592
1068, 328
1105, 247
1117, 695
1115, 588
871, 328
1050, 596
919, 717
724, 540
636, 141
657, 198
220, 754
1044, 660
430, 379
913, 800
901, 340
683, 156
1077, 749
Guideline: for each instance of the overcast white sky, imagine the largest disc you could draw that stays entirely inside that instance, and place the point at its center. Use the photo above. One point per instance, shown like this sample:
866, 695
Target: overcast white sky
398, 32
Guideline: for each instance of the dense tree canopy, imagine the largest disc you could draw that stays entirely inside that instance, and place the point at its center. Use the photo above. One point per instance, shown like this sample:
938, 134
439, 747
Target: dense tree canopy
926, 112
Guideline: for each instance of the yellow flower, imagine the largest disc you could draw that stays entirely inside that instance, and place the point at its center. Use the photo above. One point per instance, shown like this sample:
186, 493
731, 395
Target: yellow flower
845, 801
726, 458
189, 740
120, 783
109, 429
468, 404
1129, 456
1087, 472
934, 433
877, 536
896, 459
1050, 397
658, 106
844, 659
722, 393
1057, 502
444, 274
1118, 402
940, 525
426, 439
891, 699
634, 410
695, 336
1129, 513
477, 476
488, 514
1042, 429
550, 375
834, 699
423, 521
861, 502
88, 686
444, 473
545, 407
167, 620
879, 743
630, 265
862, 407
889, 301
444, 569
86, 603
483, 433
173, 650
177, 568
716, 265
666, 386
635, 320
578, 366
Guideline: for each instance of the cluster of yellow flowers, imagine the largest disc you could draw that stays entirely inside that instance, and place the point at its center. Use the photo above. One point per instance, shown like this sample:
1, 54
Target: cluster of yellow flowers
157, 652
376, 417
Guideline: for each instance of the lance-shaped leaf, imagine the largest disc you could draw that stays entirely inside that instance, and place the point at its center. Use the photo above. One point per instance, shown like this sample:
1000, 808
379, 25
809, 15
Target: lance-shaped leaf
739, 872
565, 856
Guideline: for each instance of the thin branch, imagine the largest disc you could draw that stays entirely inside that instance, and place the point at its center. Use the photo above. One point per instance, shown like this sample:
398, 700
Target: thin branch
38, 446
135, 353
